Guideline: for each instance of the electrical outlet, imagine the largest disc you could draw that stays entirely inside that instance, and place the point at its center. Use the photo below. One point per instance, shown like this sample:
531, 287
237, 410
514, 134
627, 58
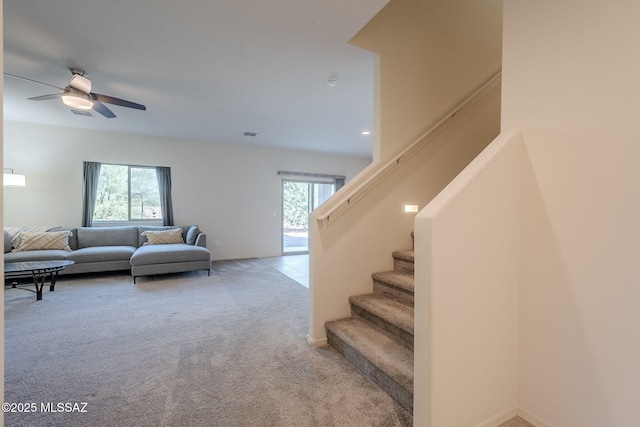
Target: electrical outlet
217, 242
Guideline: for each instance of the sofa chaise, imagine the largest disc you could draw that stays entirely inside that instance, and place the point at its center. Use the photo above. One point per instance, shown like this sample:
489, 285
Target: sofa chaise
143, 250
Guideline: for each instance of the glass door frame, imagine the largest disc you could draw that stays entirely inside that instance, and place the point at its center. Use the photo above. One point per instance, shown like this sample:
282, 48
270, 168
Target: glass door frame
310, 203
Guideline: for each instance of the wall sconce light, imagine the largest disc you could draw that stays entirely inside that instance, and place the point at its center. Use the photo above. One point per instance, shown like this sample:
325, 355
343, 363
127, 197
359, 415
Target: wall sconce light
410, 208
12, 179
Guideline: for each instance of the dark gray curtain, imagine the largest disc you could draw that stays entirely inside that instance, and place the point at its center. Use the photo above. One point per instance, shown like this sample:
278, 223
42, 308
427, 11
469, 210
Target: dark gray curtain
90, 175
338, 183
164, 185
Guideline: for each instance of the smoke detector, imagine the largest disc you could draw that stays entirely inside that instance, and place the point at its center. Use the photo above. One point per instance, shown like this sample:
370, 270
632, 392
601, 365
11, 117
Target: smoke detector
332, 82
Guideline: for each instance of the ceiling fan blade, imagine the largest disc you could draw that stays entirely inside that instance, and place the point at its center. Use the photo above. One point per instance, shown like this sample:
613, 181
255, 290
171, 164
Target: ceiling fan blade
31, 80
102, 109
46, 97
117, 101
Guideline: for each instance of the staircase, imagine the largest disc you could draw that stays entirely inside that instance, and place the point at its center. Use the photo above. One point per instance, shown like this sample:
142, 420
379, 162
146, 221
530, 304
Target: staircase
378, 337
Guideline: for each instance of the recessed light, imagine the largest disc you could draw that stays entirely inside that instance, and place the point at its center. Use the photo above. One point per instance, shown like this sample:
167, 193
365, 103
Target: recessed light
366, 132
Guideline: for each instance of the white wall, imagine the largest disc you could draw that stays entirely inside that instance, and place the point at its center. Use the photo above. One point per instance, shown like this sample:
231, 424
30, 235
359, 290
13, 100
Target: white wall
1, 219
361, 241
571, 65
570, 78
579, 345
432, 55
232, 192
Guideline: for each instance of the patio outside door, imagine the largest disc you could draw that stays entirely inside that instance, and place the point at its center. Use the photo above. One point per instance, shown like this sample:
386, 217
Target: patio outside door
299, 199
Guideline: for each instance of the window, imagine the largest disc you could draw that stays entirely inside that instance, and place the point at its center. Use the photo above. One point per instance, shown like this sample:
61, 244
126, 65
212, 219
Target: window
127, 193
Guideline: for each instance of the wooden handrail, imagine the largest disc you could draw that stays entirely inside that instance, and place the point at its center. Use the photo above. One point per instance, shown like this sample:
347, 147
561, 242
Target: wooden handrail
369, 179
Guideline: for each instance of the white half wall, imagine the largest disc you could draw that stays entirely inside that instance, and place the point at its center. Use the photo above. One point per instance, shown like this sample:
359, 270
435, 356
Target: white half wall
466, 294
232, 192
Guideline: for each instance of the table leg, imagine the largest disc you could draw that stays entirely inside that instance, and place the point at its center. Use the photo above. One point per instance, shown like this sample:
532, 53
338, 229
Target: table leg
38, 280
54, 278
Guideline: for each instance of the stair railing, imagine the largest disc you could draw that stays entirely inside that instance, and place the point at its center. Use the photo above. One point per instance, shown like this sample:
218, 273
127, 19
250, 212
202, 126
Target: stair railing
373, 175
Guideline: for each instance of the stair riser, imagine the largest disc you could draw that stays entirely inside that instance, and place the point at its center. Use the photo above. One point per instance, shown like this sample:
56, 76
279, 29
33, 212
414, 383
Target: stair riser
400, 335
400, 394
393, 292
403, 265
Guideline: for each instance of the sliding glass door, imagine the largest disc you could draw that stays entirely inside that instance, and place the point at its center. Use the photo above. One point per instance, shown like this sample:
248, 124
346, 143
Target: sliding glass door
299, 199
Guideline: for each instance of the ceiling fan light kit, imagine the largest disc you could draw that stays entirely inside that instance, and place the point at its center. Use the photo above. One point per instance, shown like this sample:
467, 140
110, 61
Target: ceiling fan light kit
74, 98
80, 82
76, 95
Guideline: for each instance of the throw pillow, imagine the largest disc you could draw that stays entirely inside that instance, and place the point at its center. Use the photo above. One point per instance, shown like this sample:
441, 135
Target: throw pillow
192, 235
163, 237
7, 242
35, 241
14, 233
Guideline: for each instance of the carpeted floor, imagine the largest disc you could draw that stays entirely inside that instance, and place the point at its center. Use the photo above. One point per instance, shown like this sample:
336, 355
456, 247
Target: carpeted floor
181, 350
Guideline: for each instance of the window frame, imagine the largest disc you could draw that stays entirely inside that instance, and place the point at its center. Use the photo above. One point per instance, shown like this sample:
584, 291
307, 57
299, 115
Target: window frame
129, 221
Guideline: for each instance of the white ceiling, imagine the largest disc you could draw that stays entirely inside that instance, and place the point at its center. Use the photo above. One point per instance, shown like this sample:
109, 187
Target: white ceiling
206, 70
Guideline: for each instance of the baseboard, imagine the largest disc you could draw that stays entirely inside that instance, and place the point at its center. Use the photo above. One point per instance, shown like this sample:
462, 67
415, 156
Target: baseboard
530, 418
316, 343
500, 418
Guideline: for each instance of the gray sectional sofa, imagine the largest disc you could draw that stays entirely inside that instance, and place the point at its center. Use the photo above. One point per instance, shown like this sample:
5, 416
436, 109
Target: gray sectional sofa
98, 249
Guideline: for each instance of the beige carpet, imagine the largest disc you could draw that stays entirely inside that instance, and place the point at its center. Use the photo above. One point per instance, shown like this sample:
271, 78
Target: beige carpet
181, 350
517, 422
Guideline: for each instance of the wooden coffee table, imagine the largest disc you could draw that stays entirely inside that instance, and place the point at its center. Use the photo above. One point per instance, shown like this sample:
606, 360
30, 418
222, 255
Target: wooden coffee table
39, 270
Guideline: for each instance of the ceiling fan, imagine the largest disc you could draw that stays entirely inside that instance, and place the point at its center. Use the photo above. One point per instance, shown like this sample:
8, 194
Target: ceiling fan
77, 95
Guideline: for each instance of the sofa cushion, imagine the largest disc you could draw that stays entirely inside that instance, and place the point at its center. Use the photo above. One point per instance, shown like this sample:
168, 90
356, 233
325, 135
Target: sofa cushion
34, 241
44, 255
107, 236
169, 253
102, 254
173, 235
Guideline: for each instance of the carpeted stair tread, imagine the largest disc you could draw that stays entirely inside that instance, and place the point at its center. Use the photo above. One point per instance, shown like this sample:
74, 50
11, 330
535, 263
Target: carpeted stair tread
392, 317
403, 261
407, 255
399, 279
385, 361
391, 311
